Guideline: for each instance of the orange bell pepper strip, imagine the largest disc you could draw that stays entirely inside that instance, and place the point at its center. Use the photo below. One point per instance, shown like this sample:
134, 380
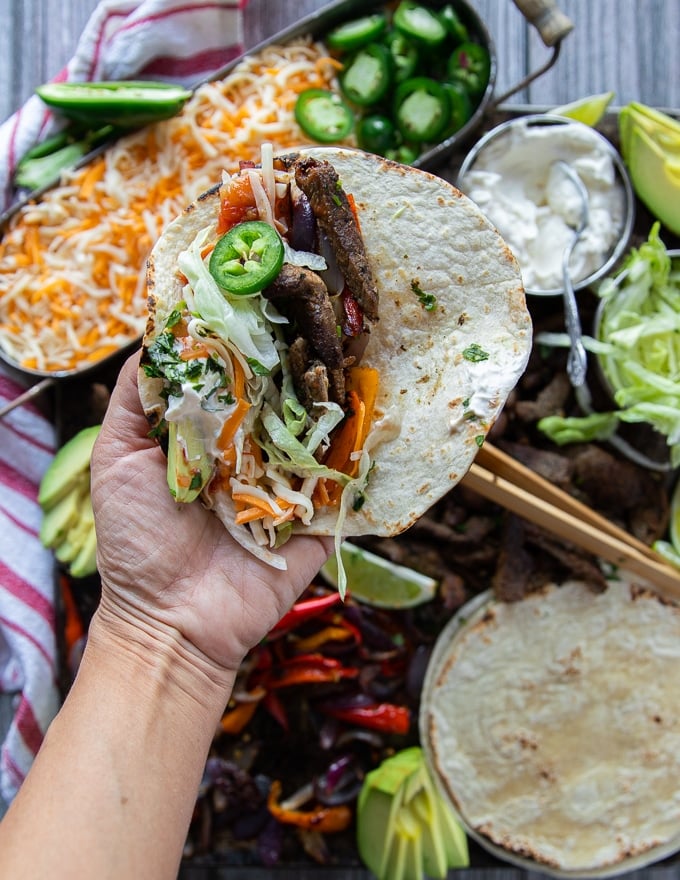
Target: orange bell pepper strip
323, 819
236, 719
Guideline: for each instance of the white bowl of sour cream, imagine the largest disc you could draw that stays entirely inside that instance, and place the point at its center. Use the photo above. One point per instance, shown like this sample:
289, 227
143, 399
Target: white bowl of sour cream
512, 174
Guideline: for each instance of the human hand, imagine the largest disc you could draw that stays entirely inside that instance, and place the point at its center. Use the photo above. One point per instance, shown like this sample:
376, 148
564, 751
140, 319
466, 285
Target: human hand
168, 565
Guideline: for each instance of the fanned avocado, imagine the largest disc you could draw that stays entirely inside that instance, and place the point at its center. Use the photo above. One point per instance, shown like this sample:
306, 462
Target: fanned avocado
404, 827
62, 516
650, 146
68, 464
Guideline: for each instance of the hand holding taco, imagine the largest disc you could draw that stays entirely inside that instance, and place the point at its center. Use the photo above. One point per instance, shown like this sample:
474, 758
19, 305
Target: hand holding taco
330, 337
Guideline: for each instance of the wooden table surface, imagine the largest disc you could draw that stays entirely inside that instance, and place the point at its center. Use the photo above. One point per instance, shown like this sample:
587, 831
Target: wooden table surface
627, 46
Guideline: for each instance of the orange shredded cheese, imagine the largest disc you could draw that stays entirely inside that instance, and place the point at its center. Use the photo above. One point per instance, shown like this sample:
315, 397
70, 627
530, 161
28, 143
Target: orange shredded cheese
72, 265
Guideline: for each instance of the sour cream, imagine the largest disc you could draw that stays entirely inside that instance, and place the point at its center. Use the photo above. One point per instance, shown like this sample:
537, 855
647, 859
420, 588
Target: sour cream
516, 182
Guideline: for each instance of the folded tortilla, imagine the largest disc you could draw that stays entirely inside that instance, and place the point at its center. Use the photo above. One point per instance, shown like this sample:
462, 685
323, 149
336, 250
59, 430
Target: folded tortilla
445, 373
553, 726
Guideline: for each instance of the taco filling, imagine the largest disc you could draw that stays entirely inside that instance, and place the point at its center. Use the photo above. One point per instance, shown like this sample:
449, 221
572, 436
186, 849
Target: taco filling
266, 398
330, 337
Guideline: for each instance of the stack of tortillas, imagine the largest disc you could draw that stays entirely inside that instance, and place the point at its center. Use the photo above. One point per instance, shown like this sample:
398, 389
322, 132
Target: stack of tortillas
553, 725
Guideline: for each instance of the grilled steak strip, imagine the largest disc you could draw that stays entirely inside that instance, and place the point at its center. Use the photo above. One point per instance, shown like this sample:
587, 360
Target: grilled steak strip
320, 183
302, 297
310, 377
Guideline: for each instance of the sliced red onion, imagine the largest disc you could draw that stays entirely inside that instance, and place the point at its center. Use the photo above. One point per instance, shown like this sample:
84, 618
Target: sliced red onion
303, 229
332, 277
341, 783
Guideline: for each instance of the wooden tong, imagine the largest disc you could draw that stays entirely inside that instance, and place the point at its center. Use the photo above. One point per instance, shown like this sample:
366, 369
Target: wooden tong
498, 477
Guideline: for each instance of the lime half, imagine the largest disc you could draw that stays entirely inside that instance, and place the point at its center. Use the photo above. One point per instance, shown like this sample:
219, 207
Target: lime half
379, 582
674, 526
588, 110
668, 552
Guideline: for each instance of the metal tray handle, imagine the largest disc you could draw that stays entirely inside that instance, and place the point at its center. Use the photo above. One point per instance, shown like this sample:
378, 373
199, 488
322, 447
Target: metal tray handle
548, 19
552, 25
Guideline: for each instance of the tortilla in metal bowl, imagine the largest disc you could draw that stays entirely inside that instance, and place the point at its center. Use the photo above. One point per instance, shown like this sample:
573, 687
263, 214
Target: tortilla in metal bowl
444, 372
552, 725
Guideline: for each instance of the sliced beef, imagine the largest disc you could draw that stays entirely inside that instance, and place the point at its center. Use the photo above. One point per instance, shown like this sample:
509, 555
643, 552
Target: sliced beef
320, 183
556, 468
633, 496
512, 577
302, 297
310, 377
549, 401
576, 563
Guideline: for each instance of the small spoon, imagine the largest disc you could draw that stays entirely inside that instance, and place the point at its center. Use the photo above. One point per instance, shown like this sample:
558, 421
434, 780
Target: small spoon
577, 360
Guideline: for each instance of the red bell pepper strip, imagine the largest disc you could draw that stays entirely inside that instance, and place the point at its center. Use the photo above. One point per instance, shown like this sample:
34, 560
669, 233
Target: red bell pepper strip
384, 717
324, 819
273, 704
306, 609
74, 629
310, 669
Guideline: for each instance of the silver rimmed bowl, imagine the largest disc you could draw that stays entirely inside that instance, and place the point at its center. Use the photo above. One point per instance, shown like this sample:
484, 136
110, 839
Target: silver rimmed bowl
530, 146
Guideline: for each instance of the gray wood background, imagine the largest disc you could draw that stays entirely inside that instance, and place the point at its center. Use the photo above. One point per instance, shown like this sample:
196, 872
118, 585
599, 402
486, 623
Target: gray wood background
628, 46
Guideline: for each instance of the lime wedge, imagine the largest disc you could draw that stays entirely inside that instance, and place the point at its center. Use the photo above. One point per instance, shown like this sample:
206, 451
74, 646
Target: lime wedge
379, 582
668, 552
588, 110
674, 526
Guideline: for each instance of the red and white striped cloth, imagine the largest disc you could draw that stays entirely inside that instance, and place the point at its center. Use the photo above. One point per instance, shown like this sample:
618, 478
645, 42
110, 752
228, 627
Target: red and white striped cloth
173, 40
180, 41
27, 614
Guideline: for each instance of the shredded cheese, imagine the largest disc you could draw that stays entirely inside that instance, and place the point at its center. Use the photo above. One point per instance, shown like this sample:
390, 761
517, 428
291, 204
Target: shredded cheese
72, 265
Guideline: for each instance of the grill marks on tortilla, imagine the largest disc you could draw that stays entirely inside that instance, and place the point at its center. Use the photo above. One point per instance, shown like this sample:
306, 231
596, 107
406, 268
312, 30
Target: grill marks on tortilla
303, 298
319, 181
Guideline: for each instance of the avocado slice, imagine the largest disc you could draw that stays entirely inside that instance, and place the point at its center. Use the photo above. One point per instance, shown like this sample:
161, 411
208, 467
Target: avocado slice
71, 460
656, 178
376, 814
189, 463
433, 845
60, 517
85, 563
659, 126
76, 537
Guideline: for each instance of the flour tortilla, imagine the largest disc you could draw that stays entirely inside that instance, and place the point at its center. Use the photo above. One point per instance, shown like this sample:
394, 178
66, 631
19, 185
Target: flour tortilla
553, 725
416, 228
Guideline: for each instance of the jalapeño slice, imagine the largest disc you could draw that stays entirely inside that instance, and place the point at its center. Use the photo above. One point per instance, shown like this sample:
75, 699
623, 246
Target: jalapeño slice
247, 258
356, 33
422, 109
323, 115
367, 76
470, 65
128, 103
419, 23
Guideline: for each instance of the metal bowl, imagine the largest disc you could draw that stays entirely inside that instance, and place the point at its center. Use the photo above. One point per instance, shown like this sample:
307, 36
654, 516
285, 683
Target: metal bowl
605, 379
546, 119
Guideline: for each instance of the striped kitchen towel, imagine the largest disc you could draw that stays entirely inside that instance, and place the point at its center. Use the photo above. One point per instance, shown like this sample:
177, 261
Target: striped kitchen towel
28, 672
181, 41
174, 40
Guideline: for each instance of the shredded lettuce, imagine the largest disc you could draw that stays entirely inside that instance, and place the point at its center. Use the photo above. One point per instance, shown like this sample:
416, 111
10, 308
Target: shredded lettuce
241, 320
324, 424
562, 430
638, 349
284, 449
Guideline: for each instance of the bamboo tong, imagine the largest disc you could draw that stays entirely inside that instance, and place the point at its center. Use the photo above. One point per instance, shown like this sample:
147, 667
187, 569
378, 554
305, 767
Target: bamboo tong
499, 478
